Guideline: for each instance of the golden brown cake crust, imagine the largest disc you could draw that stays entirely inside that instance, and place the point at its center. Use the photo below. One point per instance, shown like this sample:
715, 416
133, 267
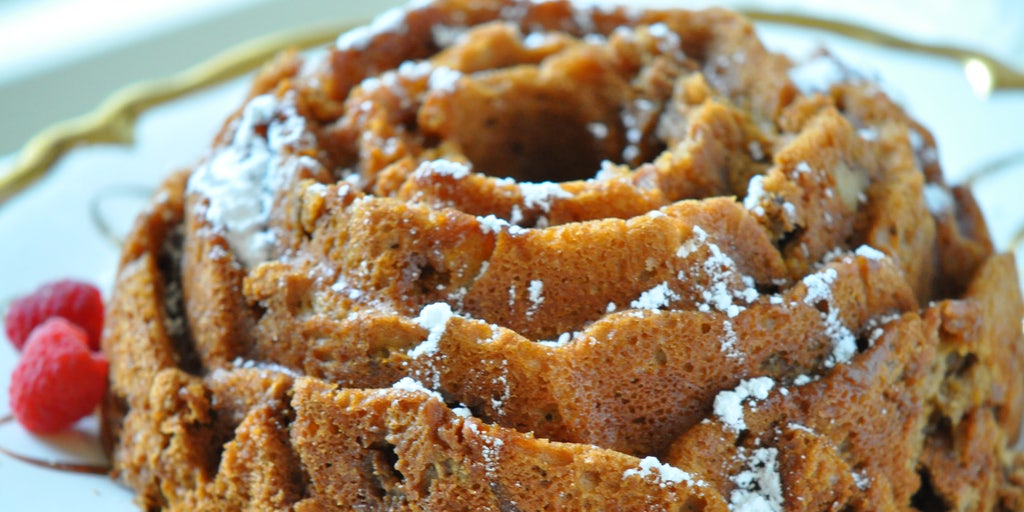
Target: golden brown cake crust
503, 255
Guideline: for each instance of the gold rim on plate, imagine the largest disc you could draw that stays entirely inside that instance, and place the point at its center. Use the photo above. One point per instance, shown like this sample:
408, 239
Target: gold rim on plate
114, 120
984, 73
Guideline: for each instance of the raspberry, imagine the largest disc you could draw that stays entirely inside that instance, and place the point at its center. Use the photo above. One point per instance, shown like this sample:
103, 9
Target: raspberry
76, 301
58, 379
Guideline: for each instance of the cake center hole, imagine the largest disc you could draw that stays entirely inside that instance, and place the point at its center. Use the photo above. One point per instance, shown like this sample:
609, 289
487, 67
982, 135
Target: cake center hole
542, 144
532, 131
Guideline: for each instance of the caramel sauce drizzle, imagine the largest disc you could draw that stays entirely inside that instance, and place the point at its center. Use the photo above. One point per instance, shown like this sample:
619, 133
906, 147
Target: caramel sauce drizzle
100, 221
71, 467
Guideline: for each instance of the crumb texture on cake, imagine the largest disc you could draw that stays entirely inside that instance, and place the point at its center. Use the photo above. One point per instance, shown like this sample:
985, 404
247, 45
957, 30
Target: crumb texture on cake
511, 255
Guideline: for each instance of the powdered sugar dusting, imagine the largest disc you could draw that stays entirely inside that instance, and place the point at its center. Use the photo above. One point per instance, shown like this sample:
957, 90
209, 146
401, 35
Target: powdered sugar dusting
876, 327
490, 448
462, 411
797, 426
663, 474
869, 134
802, 380
241, 179
563, 340
343, 287
535, 40
536, 291
391, 21
758, 486
697, 238
729, 341
755, 195
491, 224
844, 343
414, 386
448, 35
248, 364
756, 150
540, 195
861, 480
392, 79
866, 251
938, 200
443, 79
656, 298
669, 42
729, 404
433, 317
515, 216
819, 286
818, 74
501, 381
442, 167
598, 130
720, 270
494, 224
607, 171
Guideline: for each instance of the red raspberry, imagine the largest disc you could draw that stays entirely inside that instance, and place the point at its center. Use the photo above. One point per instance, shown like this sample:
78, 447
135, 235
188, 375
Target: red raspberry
58, 379
76, 301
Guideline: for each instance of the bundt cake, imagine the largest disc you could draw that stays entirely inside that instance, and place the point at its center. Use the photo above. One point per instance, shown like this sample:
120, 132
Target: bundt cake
512, 255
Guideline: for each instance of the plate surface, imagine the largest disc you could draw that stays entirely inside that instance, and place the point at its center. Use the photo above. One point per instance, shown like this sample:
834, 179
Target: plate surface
50, 234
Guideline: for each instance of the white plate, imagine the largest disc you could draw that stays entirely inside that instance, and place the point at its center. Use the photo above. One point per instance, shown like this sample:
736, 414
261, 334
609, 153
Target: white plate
48, 232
